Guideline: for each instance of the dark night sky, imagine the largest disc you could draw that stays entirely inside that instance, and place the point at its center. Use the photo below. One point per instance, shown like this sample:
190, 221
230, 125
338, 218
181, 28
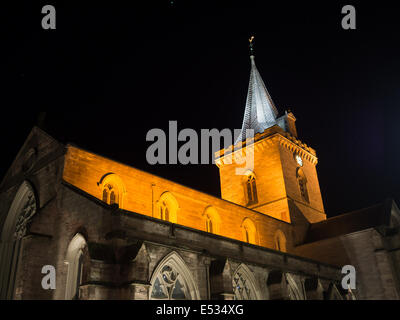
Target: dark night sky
113, 71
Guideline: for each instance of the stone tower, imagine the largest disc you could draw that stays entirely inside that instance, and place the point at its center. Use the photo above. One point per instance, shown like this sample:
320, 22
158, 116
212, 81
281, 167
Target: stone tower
283, 183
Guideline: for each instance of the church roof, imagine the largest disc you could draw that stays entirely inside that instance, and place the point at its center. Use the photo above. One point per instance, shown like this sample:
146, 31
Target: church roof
260, 112
371, 217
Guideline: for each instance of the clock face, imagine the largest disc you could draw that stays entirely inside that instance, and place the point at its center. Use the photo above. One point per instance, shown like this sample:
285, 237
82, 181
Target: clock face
299, 160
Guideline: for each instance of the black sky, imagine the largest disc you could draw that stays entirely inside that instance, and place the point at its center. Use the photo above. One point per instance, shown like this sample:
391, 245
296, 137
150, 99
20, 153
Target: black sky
114, 70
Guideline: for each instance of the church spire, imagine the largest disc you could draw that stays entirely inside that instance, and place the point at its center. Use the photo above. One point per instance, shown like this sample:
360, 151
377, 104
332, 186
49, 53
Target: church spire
260, 112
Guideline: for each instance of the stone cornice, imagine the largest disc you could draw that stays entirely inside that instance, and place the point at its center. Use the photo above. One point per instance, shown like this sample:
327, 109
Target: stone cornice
271, 136
295, 145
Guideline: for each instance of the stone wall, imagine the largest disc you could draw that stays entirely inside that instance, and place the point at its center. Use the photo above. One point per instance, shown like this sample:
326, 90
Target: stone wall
84, 170
124, 248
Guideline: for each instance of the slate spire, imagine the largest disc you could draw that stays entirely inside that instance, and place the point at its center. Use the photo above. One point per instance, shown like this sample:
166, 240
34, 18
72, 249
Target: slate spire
260, 112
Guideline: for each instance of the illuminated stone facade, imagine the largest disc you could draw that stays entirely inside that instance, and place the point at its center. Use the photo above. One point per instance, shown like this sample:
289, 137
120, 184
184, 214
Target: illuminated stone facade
115, 232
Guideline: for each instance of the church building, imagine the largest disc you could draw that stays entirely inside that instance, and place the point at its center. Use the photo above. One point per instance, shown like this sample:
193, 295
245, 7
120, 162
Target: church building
115, 232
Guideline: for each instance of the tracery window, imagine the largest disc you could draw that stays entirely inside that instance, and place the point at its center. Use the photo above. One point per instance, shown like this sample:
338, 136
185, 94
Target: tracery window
112, 190
241, 290
244, 286
110, 194
172, 280
169, 285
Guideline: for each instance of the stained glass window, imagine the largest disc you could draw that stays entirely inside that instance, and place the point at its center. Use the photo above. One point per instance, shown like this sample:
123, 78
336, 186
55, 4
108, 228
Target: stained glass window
158, 292
242, 292
243, 284
169, 285
179, 291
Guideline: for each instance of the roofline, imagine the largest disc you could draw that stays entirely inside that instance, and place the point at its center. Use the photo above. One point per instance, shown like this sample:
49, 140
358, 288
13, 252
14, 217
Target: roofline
340, 215
179, 184
31, 133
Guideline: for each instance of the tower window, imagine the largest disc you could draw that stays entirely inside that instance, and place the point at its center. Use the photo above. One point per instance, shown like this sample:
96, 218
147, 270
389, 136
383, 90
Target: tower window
303, 189
251, 189
302, 180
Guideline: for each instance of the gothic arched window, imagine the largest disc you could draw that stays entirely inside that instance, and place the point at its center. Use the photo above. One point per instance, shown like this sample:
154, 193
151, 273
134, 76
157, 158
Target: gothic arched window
110, 194
212, 220
168, 207
249, 231
74, 260
169, 285
112, 190
251, 189
15, 227
244, 284
172, 280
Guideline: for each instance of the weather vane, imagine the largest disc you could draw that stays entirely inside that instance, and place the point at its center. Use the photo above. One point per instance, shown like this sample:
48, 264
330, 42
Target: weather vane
251, 40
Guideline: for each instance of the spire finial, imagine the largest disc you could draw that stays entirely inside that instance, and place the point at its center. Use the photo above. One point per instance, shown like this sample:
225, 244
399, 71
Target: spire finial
251, 41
